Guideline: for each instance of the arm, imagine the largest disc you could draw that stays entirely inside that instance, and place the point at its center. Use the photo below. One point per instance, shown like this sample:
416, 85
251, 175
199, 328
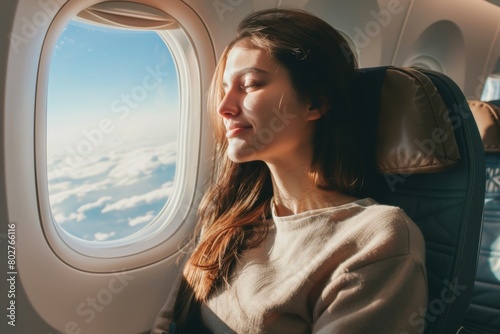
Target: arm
382, 297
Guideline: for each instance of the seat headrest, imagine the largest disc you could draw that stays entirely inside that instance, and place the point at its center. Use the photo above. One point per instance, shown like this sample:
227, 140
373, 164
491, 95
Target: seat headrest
415, 134
487, 119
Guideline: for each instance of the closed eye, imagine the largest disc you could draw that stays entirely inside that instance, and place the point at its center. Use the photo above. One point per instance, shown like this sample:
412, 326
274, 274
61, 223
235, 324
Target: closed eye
250, 86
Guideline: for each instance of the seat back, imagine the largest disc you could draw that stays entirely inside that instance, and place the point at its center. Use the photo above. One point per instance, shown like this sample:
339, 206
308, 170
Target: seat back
434, 171
484, 312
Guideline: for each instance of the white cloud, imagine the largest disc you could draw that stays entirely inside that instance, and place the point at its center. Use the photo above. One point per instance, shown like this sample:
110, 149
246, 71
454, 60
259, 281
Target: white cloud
126, 169
90, 170
61, 218
60, 186
99, 236
125, 166
55, 171
95, 204
142, 162
79, 191
65, 167
164, 192
141, 219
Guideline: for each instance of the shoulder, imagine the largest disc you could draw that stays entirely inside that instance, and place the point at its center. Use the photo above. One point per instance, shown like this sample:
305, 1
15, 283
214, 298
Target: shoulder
381, 232
369, 217
384, 220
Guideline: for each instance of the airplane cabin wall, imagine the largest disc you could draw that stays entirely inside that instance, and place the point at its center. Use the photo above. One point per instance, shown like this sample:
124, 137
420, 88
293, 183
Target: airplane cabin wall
52, 294
460, 36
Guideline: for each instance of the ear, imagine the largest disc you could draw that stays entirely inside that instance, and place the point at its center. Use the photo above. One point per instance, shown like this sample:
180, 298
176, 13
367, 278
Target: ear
315, 113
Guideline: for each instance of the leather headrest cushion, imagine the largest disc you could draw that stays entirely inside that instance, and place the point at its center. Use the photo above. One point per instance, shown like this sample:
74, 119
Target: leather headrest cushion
415, 134
486, 116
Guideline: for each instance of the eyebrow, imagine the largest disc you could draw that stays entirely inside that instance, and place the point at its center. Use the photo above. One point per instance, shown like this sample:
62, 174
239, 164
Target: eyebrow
243, 72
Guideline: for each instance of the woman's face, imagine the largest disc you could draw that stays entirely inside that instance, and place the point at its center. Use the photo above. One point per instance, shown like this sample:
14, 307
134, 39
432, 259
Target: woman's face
263, 116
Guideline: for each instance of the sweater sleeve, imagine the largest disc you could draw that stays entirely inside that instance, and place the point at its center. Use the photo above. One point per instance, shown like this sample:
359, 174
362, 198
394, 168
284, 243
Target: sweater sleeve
383, 297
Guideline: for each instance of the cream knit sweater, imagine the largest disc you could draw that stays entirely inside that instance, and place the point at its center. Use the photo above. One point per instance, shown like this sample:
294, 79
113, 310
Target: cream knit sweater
355, 268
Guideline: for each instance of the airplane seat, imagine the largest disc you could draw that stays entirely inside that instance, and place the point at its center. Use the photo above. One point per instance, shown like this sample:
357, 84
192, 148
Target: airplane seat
495, 103
484, 313
428, 162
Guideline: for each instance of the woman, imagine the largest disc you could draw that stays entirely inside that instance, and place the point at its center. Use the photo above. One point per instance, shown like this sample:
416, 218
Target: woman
286, 243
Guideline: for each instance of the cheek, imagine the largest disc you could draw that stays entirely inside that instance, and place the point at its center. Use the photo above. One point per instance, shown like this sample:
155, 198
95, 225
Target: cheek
258, 103
250, 103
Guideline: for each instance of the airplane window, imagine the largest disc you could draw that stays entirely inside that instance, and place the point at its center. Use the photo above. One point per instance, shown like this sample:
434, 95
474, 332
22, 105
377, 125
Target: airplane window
491, 89
112, 128
426, 62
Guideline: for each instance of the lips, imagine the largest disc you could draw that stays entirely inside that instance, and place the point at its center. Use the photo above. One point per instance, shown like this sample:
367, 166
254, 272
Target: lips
235, 129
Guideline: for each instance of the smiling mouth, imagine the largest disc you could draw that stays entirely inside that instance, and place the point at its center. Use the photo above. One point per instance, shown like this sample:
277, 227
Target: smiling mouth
236, 131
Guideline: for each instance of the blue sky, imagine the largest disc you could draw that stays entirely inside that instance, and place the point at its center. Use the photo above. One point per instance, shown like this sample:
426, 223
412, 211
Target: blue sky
112, 124
113, 60
93, 66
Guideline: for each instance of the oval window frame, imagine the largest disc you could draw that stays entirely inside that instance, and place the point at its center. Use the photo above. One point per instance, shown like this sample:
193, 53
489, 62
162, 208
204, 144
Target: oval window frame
172, 227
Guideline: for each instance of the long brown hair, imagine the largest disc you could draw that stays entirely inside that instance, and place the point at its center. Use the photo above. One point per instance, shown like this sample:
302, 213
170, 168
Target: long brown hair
321, 66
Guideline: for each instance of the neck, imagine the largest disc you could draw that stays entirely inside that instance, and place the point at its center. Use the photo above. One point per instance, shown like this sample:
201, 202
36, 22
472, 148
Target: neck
295, 191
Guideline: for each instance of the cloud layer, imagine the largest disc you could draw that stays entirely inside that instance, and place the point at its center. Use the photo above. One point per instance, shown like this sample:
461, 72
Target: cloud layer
111, 196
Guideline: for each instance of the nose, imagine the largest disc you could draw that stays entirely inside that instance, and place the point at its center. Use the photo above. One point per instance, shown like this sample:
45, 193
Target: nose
229, 106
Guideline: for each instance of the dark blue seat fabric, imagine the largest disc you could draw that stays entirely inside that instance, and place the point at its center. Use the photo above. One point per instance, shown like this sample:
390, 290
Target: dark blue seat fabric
484, 313
495, 102
447, 205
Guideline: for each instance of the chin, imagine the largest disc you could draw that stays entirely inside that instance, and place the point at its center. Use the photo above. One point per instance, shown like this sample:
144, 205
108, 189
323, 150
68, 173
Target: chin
241, 155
